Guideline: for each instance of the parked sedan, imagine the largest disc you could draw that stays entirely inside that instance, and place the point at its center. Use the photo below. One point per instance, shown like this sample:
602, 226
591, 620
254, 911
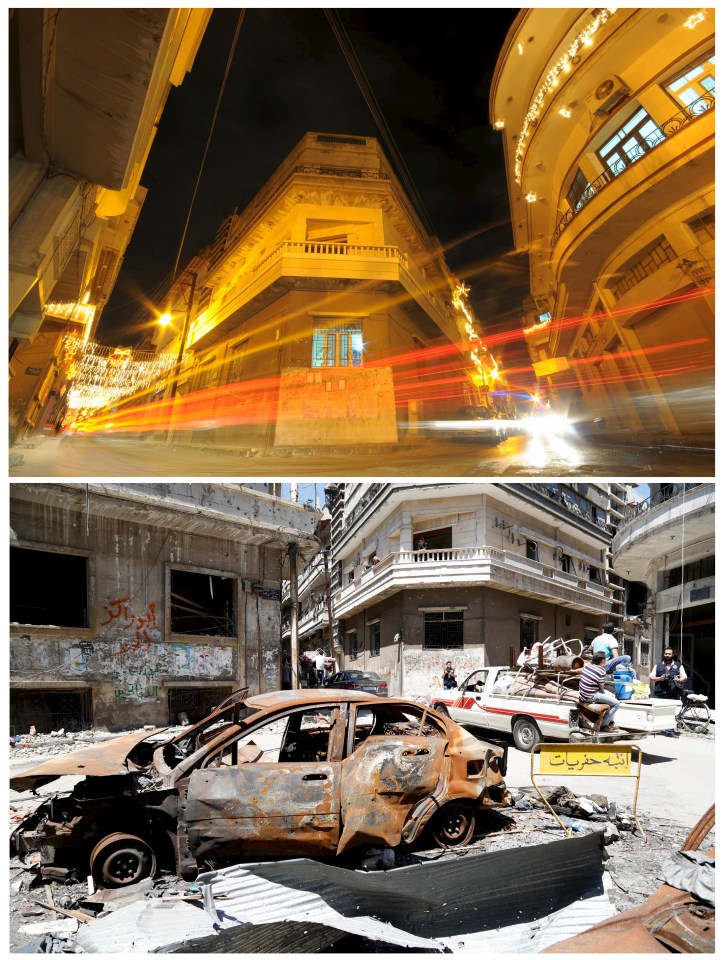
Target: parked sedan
367, 681
289, 774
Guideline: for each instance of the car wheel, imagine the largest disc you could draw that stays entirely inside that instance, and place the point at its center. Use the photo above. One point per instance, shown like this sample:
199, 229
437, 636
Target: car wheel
453, 825
122, 859
441, 708
526, 734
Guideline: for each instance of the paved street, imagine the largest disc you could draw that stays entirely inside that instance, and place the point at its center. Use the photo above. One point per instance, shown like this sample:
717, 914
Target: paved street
98, 456
677, 779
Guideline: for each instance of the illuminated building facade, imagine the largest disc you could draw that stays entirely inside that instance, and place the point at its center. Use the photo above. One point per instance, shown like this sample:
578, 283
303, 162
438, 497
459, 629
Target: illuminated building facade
464, 572
323, 313
87, 88
607, 118
667, 542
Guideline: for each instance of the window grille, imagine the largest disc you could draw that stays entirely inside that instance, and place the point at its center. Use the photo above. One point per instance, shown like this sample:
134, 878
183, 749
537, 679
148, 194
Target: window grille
337, 343
443, 630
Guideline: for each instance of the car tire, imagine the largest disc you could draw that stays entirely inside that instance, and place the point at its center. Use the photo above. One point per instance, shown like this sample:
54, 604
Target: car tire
441, 708
122, 859
453, 826
526, 734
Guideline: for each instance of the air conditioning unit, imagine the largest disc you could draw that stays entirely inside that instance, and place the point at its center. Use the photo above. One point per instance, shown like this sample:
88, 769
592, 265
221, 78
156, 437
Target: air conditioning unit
609, 95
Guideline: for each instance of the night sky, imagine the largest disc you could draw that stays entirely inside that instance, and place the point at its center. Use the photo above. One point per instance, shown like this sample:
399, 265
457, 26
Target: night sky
430, 71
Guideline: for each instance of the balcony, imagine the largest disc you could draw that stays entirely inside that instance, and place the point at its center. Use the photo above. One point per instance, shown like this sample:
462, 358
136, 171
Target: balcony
470, 567
668, 129
670, 520
305, 265
310, 621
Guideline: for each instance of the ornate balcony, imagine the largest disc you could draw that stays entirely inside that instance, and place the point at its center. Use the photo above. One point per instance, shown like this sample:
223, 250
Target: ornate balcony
470, 567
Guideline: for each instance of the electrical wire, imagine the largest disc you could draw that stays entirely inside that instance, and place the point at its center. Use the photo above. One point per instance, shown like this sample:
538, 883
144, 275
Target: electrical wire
359, 74
227, 70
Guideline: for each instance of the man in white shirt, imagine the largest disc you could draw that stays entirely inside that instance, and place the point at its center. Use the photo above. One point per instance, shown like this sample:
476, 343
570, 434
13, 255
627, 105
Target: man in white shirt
320, 667
609, 646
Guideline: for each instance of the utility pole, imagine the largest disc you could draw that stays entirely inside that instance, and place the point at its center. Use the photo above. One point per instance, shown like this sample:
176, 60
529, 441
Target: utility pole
328, 597
180, 358
293, 617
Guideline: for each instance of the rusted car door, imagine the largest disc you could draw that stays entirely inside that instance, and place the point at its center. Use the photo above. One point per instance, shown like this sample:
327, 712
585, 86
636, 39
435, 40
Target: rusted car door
382, 779
259, 797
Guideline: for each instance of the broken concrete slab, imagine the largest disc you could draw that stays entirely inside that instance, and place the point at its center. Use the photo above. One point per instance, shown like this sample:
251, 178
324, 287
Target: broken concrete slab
50, 925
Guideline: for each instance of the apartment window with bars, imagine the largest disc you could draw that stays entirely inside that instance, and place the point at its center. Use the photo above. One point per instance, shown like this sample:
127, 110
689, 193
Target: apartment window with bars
374, 638
238, 356
703, 227
638, 135
337, 343
528, 632
694, 84
443, 630
648, 263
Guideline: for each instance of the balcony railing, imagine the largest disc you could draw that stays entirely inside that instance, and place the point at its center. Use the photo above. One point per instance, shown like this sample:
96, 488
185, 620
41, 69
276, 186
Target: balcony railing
667, 129
467, 565
665, 493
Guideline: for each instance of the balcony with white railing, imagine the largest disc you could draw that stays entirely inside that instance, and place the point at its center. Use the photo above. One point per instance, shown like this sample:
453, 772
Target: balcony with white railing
307, 259
470, 567
675, 517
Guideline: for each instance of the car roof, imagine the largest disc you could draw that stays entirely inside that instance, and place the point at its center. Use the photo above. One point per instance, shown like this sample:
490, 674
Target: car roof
314, 695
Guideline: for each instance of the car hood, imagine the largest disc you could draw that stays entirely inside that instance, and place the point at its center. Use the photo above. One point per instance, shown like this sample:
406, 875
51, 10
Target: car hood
100, 760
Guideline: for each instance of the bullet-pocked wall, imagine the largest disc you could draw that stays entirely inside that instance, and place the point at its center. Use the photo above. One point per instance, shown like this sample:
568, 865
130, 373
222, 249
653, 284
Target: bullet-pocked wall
117, 622
480, 624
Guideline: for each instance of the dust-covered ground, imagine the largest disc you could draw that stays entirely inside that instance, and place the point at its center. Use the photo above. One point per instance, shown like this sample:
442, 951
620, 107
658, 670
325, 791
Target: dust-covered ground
633, 858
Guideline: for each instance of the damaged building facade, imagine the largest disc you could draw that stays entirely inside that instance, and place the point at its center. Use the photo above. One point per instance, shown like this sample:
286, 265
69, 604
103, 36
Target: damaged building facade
133, 603
427, 572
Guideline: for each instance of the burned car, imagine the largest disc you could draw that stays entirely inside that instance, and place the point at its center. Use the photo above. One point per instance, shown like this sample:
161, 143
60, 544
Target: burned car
304, 773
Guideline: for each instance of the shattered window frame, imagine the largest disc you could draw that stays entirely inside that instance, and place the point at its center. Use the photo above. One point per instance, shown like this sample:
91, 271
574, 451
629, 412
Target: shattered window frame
212, 621
69, 580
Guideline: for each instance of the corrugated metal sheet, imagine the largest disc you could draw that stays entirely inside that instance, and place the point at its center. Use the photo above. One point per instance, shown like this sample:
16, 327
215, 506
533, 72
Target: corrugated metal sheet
509, 901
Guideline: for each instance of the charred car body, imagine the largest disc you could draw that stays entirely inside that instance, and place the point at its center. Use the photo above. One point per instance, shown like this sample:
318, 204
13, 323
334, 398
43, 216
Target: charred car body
294, 773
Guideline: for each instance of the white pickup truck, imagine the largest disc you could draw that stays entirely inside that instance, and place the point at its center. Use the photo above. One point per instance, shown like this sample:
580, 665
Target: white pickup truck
531, 717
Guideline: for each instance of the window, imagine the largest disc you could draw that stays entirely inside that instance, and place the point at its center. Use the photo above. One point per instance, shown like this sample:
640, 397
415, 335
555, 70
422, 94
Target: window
638, 135
532, 550
203, 604
595, 574
238, 356
703, 227
352, 644
385, 719
337, 343
300, 737
443, 630
528, 632
374, 639
647, 262
577, 193
566, 563
48, 588
590, 633
693, 85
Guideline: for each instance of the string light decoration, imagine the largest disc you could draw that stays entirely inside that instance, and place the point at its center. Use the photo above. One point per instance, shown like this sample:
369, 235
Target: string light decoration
485, 364
551, 81
78, 312
100, 375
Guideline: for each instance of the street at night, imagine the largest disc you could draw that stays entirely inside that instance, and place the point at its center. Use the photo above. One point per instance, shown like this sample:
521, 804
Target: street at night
96, 456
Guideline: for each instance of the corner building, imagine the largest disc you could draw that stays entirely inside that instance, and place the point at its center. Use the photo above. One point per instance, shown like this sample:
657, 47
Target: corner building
503, 565
322, 313
607, 119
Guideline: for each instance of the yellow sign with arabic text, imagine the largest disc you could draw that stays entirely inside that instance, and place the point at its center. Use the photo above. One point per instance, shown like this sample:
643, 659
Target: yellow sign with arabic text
585, 759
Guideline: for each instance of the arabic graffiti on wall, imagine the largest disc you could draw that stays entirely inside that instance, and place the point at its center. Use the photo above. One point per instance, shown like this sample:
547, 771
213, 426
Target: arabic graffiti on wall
130, 654
137, 629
